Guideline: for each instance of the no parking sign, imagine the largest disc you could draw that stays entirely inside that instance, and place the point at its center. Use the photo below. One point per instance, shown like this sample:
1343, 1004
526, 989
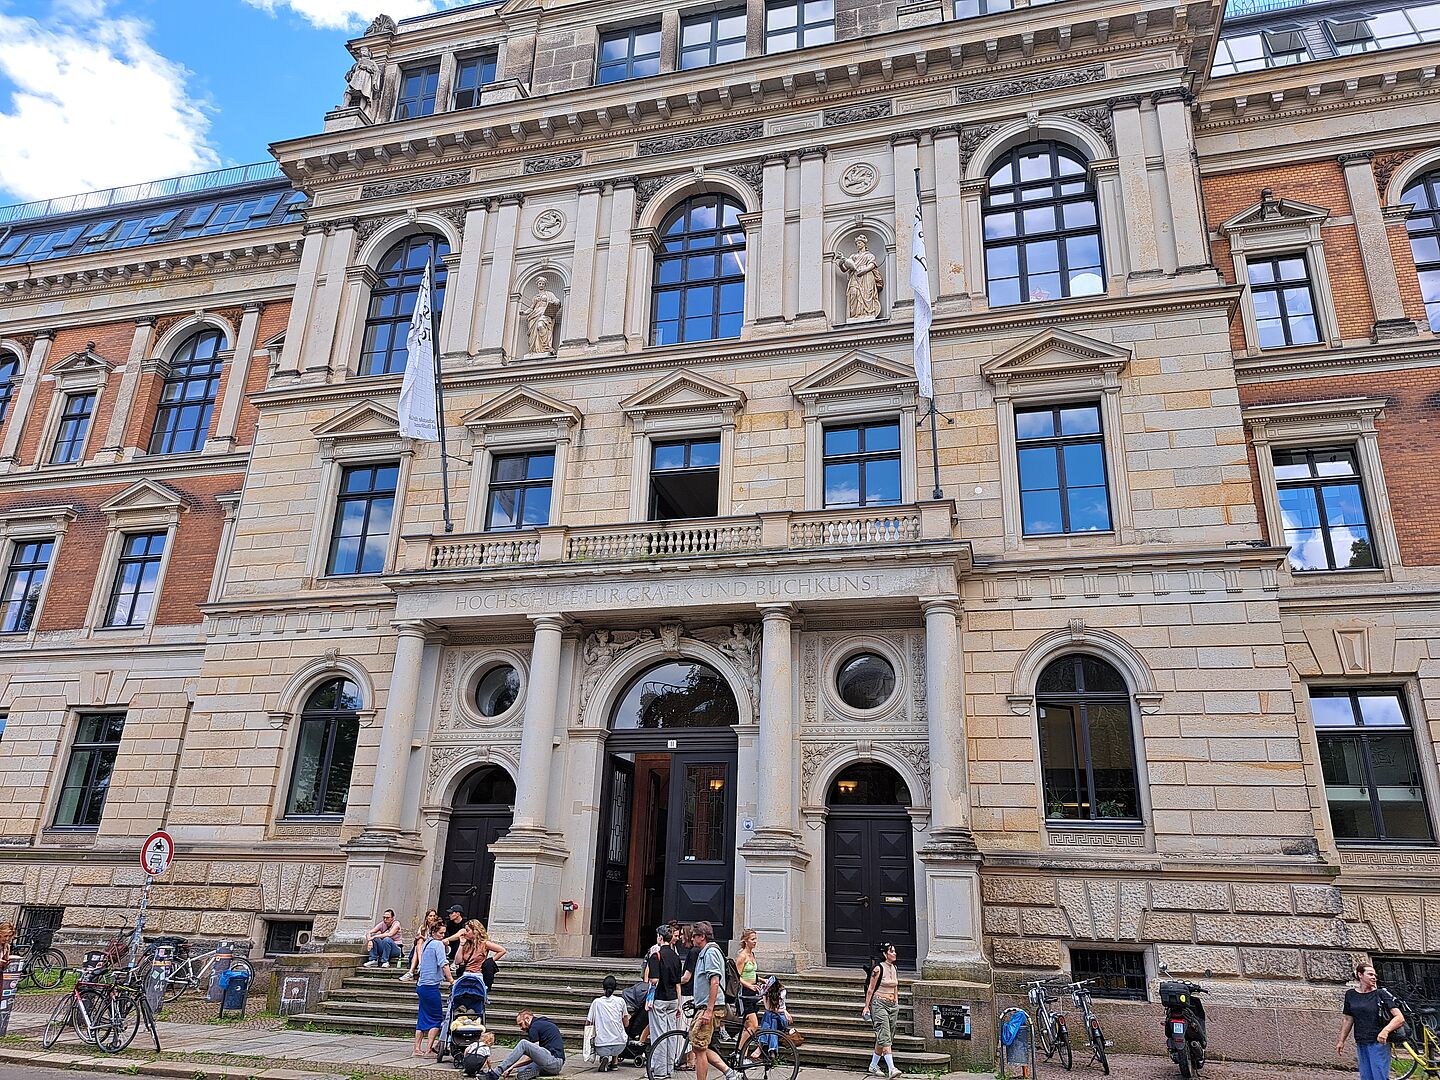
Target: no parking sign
158, 853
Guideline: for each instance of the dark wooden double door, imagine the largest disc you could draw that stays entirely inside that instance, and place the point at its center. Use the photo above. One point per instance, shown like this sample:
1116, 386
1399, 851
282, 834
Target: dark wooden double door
667, 839
870, 884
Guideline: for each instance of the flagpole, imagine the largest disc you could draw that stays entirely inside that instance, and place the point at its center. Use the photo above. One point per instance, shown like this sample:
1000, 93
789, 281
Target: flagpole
938, 493
440, 394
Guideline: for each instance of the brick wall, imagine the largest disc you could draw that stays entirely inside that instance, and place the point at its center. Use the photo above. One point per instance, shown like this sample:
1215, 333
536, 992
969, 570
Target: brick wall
112, 341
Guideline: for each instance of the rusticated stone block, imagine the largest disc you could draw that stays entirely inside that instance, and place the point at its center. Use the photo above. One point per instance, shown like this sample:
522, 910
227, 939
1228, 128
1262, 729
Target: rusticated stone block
332, 876
129, 877
1409, 922
1167, 926
1271, 963
1202, 960
1075, 906
1132, 910
1262, 930
186, 896
1332, 967
187, 873
234, 873
1037, 891
1250, 897
1045, 922
1001, 920
1376, 914
1190, 896
1317, 900
324, 925
225, 922
175, 922
1018, 952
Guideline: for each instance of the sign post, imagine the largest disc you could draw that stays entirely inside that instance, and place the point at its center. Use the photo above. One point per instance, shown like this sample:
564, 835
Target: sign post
155, 858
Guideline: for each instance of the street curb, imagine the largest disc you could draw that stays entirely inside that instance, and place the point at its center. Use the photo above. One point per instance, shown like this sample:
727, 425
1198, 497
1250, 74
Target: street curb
182, 1070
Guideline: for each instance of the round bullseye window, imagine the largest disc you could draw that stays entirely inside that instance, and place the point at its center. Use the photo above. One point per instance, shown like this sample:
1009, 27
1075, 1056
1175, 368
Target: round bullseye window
865, 681
497, 690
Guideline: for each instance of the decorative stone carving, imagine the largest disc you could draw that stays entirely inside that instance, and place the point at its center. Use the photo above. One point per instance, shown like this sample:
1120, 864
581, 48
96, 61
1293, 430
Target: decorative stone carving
381, 24
441, 759
700, 140
444, 719
1086, 840
553, 163
918, 757
368, 227
866, 282
1385, 164
1030, 84
411, 184
920, 711
548, 224
455, 215
750, 173
648, 187
741, 643
812, 756
362, 82
810, 677
540, 318
854, 114
970, 140
1097, 118
859, 179
600, 650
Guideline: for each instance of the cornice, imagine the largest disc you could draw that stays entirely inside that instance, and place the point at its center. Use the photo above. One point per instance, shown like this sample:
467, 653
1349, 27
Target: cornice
1349, 361
92, 474
142, 308
284, 605
1152, 557
1287, 93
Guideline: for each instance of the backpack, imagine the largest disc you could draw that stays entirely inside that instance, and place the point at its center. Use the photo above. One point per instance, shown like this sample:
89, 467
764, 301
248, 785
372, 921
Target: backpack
1387, 1001
733, 985
869, 970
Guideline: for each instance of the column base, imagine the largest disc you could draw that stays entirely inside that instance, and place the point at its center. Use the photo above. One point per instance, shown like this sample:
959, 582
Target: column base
1390, 329
952, 890
381, 871
774, 889
525, 899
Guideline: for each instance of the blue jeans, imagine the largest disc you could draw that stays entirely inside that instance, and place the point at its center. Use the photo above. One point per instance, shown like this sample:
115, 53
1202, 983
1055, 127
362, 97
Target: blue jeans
1374, 1060
542, 1062
383, 950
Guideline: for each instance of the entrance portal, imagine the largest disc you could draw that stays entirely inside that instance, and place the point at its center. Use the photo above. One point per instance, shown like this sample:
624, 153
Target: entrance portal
870, 867
667, 837
483, 809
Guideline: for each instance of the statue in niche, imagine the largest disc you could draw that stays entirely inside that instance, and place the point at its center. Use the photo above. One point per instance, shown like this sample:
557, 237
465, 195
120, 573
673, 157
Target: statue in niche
862, 295
540, 318
362, 81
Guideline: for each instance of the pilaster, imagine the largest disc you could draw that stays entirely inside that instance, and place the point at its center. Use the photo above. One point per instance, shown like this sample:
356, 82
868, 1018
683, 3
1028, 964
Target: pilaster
1381, 279
1135, 188
1192, 249
582, 274
113, 447
906, 150
772, 240
236, 378
617, 261
950, 257
502, 269
812, 235
462, 286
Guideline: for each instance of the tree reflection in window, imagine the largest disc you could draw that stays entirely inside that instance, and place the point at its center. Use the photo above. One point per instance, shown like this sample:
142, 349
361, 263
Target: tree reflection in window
325, 751
676, 694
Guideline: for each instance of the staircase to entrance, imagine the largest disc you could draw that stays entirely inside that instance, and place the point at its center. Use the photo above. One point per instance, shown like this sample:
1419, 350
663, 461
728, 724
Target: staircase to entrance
826, 1007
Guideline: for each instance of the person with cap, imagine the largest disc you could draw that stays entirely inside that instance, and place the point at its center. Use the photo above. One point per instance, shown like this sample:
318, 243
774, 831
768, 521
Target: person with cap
667, 969
607, 1017
454, 923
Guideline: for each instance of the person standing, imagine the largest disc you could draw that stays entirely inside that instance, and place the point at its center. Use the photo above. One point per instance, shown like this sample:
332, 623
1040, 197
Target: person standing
882, 1008
749, 999
1373, 1014
454, 923
668, 970
430, 1014
477, 954
709, 1001
383, 941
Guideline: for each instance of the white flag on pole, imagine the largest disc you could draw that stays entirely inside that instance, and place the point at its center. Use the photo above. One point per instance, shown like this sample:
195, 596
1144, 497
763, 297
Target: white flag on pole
417, 388
920, 285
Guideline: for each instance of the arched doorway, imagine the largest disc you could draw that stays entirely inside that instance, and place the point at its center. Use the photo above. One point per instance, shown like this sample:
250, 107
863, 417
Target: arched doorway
481, 813
869, 866
667, 835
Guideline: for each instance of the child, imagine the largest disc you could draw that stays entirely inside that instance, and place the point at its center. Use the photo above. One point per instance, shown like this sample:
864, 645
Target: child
607, 1016
477, 1054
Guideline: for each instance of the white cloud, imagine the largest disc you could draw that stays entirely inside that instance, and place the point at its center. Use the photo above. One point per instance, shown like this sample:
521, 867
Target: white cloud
94, 105
351, 14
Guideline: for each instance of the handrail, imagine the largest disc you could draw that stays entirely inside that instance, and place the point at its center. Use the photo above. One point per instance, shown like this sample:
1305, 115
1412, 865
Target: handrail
152, 189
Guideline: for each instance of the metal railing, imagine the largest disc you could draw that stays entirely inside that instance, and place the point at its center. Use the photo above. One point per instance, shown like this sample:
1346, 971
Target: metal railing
1239, 9
153, 189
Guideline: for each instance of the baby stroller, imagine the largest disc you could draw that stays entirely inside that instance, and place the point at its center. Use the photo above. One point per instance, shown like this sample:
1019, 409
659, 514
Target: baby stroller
464, 1017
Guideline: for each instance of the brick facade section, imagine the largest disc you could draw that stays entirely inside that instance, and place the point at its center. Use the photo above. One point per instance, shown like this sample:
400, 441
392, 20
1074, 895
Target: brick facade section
112, 342
1409, 436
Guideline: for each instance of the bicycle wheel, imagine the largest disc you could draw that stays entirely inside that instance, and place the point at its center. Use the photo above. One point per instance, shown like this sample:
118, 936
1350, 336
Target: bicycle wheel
92, 1011
121, 1022
1097, 1044
778, 1058
178, 982
1062, 1047
59, 1017
47, 968
1404, 1060
666, 1053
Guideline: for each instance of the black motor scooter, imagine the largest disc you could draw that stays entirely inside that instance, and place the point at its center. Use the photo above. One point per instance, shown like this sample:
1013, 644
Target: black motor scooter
1184, 1024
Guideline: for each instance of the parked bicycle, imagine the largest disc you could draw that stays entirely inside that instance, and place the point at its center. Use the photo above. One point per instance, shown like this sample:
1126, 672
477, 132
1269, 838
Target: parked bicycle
1080, 994
44, 964
758, 1055
191, 969
1050, 1029
88, 1008
1420, 1053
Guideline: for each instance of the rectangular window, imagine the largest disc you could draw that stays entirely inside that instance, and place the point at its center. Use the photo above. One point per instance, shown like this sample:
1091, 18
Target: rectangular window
1410, 978
324, 762
74, 426
38, 925
1285, 47
969, 9
87, 777
1322, 506
283, 936
471, 76
417, 91
1284, 302
862, 465
361, 536
136, 579
1348, 38
1244, 52
1371, 771
520, 490
685, 478
24, 581
1061, 452
796, 24
704, 813
712, 37
629, 54
1112, 974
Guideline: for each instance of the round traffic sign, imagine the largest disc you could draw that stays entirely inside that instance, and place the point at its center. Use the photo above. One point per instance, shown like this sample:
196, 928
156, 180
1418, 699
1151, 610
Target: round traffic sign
156, 855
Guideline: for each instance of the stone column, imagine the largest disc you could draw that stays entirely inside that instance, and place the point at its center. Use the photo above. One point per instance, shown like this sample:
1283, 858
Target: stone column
398, 730
311, 248
811, 271
235, 379
502, 267
1375, 256
529, 860
972, 216
320, 340
772, 240
582, 281
19, 414
114, 445
1192, 249
952, 879
906, 149
774, 859
949, 239
463, 285
1135, 185
617, 261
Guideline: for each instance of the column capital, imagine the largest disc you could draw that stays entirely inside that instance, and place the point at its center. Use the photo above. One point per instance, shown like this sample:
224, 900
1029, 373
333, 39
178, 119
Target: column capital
777, 612
1131, 101
553, 621
1174, 93
948, 603
1359, 157
47, 334
145, 320
412, 628
513, 198
254, 306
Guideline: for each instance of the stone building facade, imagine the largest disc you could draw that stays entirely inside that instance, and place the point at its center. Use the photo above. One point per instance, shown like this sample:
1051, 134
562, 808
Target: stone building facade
707, 626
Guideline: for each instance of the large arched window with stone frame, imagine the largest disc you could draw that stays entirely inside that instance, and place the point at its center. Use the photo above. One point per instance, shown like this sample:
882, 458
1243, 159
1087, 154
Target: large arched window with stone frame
1041, 226
1424, 228
393, 297
187, 398
1087, 741
329, 730
9, 380
699, 285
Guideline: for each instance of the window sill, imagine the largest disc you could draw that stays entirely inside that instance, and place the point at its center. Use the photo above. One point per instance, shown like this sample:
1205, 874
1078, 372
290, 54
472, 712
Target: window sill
1359, 571
1104, 825
1108, 534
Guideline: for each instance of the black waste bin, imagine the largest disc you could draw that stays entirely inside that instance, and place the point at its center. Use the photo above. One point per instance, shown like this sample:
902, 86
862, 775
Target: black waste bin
235, 987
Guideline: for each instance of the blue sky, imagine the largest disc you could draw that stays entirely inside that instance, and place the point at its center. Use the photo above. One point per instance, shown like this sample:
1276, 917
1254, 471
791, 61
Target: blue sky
97, 93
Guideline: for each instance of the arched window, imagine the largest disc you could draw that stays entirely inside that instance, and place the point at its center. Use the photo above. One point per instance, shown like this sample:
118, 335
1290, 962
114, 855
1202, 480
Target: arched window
868, 783
9, 376
1424, 228
700, 272
1042, 227
325, 751
392, 301
1087, 748
676, 694
188, 397
489, 785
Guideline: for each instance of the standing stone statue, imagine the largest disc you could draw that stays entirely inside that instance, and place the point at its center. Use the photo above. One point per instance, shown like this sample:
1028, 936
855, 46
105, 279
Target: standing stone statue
362, 81
540, 319
866, 281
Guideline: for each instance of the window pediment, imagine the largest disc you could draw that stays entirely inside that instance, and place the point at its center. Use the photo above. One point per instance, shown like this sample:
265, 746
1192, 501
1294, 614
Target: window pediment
361, 429
1055, 360
83, 370
521, 411
1274, 223
146, 502
38, 520
684, 395
858, 377
1305, 420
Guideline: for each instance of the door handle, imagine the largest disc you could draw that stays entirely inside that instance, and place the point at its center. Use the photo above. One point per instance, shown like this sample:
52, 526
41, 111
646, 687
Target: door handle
864, 901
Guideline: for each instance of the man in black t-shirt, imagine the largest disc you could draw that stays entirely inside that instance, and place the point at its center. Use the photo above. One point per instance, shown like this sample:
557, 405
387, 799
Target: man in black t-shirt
666, 971
540, 1053
1374, 1014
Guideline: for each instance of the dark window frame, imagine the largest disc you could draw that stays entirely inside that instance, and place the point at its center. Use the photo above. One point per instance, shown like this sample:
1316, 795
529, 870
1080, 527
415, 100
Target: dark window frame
1100, 966
1079, 702
393, 298
336, 723
802, 27
1316, 484
1423, 227
710, 47
1279, 287
411, 104
133, 597
188, 395
369, 497
37, 924
678, 248
863, 458
1414, 979
77, 412
1057, 443
521, 487
30, 559
10, 368
281, 934
483, 62
101, 750
1344, 34
623, 69
689, 442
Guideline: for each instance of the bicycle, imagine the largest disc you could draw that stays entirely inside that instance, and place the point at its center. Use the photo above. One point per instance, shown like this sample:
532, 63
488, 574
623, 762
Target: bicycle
44, 964
1050, 1027
1419, 1052
89, 1009
769, 1055
190, 969
1080, 994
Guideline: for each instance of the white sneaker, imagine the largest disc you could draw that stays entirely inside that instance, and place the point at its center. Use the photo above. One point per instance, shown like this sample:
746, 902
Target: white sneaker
874, 1070
371, 963
732, 1075
896, 1073
407, 977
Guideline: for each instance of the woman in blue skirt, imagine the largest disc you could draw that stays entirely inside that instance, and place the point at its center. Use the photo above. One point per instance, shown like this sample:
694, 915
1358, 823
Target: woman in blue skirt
433, 970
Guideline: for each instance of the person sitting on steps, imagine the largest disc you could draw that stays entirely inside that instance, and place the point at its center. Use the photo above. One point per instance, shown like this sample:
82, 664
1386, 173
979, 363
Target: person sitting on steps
383, 941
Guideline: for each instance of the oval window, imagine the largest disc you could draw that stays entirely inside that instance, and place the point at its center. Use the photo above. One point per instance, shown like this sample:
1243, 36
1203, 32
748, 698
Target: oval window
497, 690
865, 681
